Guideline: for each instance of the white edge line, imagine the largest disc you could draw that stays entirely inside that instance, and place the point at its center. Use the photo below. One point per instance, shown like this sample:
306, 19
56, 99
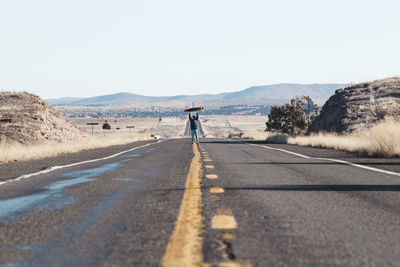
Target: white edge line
25, 176
283, 150
327, 159
360, 166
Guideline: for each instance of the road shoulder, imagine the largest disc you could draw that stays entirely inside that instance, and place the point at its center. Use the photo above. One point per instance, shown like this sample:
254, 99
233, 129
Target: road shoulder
15, 169
388, 164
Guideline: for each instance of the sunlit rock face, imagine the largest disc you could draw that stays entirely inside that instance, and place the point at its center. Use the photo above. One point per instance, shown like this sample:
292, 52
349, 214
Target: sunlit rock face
33, 120
359, 106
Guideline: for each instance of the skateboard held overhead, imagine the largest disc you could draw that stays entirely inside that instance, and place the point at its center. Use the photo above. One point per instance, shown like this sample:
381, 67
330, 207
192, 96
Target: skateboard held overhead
194, 109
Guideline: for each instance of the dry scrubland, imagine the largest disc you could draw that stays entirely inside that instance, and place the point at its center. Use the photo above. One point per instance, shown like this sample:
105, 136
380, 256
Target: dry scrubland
171, 127
383, 139
17, 151
270, 137
168, 127
38, 130
367, 116
144, 129
34, 119
174, 127
222, 126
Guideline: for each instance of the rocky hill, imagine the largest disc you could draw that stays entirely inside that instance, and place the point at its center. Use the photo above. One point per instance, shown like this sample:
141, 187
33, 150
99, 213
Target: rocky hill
359, 106
33, 120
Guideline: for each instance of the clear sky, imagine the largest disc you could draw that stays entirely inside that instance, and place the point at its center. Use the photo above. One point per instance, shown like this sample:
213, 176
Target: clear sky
165, 47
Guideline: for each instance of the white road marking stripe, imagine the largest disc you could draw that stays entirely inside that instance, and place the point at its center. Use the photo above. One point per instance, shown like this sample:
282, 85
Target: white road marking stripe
328, 159
282, 150
360, 166
25, 176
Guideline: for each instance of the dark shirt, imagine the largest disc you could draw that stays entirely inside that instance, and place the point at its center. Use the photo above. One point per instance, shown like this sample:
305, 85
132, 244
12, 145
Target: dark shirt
194, 122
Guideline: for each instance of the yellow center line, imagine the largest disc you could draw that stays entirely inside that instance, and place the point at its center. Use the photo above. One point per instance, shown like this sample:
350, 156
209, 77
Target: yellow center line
209, 166
212, 176
245, 263
216, 190
185, 247
222, 221
215, 197
226, 234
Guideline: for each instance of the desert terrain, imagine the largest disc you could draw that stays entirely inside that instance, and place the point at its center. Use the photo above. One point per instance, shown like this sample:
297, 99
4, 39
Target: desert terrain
222, 126
169, 127
173, 127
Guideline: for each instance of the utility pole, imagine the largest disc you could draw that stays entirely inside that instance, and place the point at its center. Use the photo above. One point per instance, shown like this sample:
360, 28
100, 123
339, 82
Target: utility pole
92, 123
4, 121
130, 127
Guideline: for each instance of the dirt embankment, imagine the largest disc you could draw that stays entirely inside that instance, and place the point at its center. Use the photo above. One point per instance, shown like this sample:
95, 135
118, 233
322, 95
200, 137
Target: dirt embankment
34, 121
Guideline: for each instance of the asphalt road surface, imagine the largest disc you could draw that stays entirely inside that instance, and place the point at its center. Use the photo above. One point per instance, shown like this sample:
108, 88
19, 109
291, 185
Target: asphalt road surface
260, 205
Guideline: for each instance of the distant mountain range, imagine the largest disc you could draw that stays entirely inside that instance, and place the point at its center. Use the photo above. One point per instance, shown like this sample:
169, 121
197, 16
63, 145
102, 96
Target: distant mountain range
268, 94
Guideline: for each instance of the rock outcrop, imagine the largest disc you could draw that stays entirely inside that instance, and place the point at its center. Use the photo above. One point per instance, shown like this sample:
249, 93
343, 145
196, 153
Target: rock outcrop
359, 106
33, 120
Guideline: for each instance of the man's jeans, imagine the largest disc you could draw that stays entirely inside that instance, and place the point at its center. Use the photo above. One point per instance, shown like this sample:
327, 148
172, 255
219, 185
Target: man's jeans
195, 134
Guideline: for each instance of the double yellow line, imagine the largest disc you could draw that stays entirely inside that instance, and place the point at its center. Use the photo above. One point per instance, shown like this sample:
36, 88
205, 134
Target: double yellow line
185, 247
186, 244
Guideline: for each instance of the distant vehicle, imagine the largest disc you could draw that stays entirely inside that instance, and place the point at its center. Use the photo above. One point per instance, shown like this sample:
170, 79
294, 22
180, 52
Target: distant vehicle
233, 135
194, 109
157, 137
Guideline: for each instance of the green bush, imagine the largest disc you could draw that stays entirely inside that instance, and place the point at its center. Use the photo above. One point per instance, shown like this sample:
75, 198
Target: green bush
290, 117
106, 126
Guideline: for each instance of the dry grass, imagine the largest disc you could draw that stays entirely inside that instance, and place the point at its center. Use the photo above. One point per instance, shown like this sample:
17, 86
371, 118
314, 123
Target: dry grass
20, 152
270, 137
391, 82
216, 135
383, 139
257, 135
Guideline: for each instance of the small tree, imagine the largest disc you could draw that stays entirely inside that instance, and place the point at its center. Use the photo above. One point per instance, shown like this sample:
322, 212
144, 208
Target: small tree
290, 117
106, 126
277, 119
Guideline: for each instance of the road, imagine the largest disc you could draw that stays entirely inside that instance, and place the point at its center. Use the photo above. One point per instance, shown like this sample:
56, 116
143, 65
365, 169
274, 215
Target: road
187, 132
228, 203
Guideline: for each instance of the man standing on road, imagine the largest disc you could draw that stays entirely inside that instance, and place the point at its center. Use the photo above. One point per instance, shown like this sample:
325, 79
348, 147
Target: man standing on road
194, 123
